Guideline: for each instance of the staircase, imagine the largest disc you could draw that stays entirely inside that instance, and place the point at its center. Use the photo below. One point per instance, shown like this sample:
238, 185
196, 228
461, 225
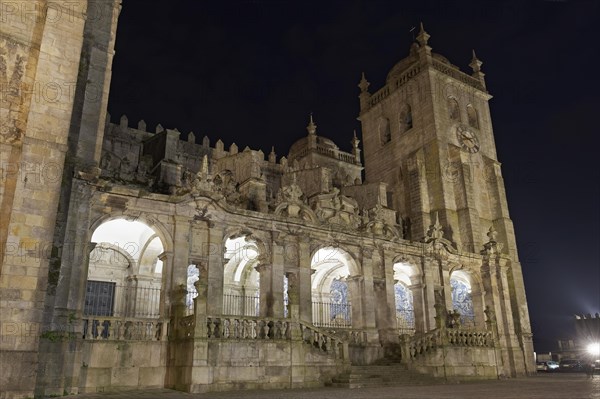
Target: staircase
383, 373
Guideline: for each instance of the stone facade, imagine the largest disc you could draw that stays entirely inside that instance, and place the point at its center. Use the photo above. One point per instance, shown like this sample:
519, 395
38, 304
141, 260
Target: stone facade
135, 259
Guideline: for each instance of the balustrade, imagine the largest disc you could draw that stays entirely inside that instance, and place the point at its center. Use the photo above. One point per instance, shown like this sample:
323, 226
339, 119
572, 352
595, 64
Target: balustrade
123, 329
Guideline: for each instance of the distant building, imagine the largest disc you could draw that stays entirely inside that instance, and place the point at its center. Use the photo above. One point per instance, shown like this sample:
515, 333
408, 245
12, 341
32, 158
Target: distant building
137, 259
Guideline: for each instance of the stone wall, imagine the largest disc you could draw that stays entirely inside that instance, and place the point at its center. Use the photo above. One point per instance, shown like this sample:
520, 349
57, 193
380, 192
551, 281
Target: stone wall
122, 365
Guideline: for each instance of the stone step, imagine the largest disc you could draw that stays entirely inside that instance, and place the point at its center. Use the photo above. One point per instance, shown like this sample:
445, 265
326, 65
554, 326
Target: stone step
382, 375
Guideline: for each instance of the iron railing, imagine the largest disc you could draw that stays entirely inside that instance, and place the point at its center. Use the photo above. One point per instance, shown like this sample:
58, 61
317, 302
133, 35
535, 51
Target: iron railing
405, 321
332, 314
111, 300
241, 305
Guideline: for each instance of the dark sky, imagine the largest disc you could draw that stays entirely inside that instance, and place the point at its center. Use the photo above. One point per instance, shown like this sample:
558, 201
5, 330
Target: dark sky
252, 71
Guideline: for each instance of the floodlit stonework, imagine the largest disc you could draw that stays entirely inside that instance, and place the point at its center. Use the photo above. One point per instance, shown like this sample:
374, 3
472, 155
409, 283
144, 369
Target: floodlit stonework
137, 259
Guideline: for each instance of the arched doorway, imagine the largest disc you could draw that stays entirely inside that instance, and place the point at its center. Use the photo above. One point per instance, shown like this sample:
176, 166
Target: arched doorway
125, 272
403, 298
462, 298
331, 298
241, 291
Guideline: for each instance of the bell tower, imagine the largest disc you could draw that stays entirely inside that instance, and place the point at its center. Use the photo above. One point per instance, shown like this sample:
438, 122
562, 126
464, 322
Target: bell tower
428, 134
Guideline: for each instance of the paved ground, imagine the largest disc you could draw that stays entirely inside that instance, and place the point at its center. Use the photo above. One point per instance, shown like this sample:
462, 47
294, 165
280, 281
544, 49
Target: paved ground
547, 386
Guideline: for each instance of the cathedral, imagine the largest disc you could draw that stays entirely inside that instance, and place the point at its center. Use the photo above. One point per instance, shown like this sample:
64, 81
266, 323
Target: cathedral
138, 259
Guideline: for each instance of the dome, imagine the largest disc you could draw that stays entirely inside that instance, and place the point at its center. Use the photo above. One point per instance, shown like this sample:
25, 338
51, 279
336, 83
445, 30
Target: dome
297, 149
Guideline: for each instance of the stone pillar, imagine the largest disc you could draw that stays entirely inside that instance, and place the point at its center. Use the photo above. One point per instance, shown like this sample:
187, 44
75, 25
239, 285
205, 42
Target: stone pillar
431, 282
494, 301
214, 254
277, 273
304, 277
420, 309
265, 290
362, 295
179, 259
165, 298
200, 303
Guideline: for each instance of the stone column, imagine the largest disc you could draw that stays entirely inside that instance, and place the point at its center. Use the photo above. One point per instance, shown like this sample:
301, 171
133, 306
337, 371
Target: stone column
431, 285
277, 273
420, 310
265, 289
304, 277
214, 253
493, 301
179, 259
165, 298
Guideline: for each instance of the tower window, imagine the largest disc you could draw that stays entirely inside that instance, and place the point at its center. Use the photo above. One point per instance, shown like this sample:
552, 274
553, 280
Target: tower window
385, 132
406, 119
453, 110
472, 117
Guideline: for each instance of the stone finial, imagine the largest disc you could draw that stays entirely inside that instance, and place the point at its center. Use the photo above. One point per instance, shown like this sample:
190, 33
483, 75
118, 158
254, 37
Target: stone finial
492, 246
312, 127
205, 142
435, 230
191, 138
142, 125
355, 141
124, 122
475, 63
233, 149
364, 84
159, 128
220, 146
283, 161
422, 37
272, 155
247, 149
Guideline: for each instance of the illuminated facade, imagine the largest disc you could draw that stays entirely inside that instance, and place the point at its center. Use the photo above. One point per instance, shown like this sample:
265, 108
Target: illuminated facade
176, 263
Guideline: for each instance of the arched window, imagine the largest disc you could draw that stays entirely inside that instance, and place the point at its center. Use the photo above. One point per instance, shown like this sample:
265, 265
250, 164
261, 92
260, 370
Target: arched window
405, 313
331, 298
125, 273
462, 300
406, 119
453, 109
385, 133
472, 116
241, 296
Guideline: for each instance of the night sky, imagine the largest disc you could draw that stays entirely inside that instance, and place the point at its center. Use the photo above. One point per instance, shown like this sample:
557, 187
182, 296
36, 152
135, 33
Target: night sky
250, 72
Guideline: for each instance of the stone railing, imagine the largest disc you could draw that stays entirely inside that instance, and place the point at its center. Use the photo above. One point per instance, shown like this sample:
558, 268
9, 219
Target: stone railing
459, 337
238, 327
349, 335
421, 344
123, 329
458, 75
260, 328
324, 341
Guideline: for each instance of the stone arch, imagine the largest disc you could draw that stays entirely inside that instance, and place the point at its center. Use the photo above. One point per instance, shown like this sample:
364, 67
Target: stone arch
406, 280
466, 298
332, 294
241, 278
160, 229
112, 291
